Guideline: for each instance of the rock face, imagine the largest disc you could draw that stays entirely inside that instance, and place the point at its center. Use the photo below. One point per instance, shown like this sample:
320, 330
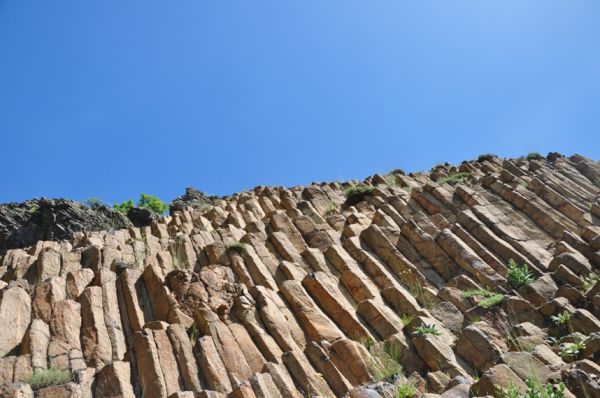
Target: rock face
295, 292
23, 224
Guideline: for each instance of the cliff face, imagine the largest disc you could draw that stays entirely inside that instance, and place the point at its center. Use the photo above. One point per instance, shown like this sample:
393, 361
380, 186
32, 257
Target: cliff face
293, 292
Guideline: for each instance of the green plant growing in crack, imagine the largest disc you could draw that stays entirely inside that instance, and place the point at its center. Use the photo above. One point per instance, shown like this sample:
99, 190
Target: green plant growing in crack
331, 209
406, 390
49, 377
589, 281
357, 193
572, 350
193, 333
385, 361
518, 275
426, 329
534, 390
236, 246
490, 299
417, 290
561, 319
454, 178
406, 318
390, 180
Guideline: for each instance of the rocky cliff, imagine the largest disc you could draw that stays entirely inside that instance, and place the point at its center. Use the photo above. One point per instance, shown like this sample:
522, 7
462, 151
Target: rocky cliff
462, 280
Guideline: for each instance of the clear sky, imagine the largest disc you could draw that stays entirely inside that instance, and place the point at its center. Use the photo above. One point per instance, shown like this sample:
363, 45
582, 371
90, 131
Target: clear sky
116, 97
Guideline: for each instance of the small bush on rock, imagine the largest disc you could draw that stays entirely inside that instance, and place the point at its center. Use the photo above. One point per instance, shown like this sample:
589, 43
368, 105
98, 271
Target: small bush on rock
124, 207
147, 201
406, 390
534, 156
518, 275
589, 281
153, 203
426, 329
561, 319
49, 377
357, 193
93, 201
485, 156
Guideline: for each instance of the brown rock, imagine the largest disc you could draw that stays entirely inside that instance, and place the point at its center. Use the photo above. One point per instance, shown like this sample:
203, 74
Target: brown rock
15, 315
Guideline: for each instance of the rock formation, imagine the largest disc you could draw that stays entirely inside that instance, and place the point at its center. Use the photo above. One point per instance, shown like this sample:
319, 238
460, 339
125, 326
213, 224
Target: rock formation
300, 292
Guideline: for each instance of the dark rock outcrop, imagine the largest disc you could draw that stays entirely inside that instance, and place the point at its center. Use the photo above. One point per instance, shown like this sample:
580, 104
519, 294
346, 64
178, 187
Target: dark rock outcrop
191, 198
23, 224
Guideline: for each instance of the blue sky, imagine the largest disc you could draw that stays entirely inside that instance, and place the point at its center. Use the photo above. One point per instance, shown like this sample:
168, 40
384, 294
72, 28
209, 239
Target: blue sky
112, 98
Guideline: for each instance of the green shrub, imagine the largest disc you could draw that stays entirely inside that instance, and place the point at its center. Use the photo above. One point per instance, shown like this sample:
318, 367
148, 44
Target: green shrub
153, 203
426, 329
398, 171
534, 390
598, 181
454, 178
93, 201
572, 350
49, 377
32, 208
518, 275
124, 207
330, 209
236, 246
534, 156
490, 298
561, 319
357, 193
406, 390
390, 180
406, 318
485, 156
589, 281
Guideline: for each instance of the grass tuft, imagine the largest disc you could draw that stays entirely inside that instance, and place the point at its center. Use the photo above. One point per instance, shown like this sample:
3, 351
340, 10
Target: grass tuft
49, 377
385, 362
454, 178
330, 209
490, 298
406, 318
236, 246
193, 333
426, 329
406, 390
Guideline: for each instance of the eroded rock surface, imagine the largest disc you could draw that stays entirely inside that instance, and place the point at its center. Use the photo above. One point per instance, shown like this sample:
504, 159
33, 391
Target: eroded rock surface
291, 292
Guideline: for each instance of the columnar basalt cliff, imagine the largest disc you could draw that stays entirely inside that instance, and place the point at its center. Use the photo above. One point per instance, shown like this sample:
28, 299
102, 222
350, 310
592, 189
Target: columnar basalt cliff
458, 282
